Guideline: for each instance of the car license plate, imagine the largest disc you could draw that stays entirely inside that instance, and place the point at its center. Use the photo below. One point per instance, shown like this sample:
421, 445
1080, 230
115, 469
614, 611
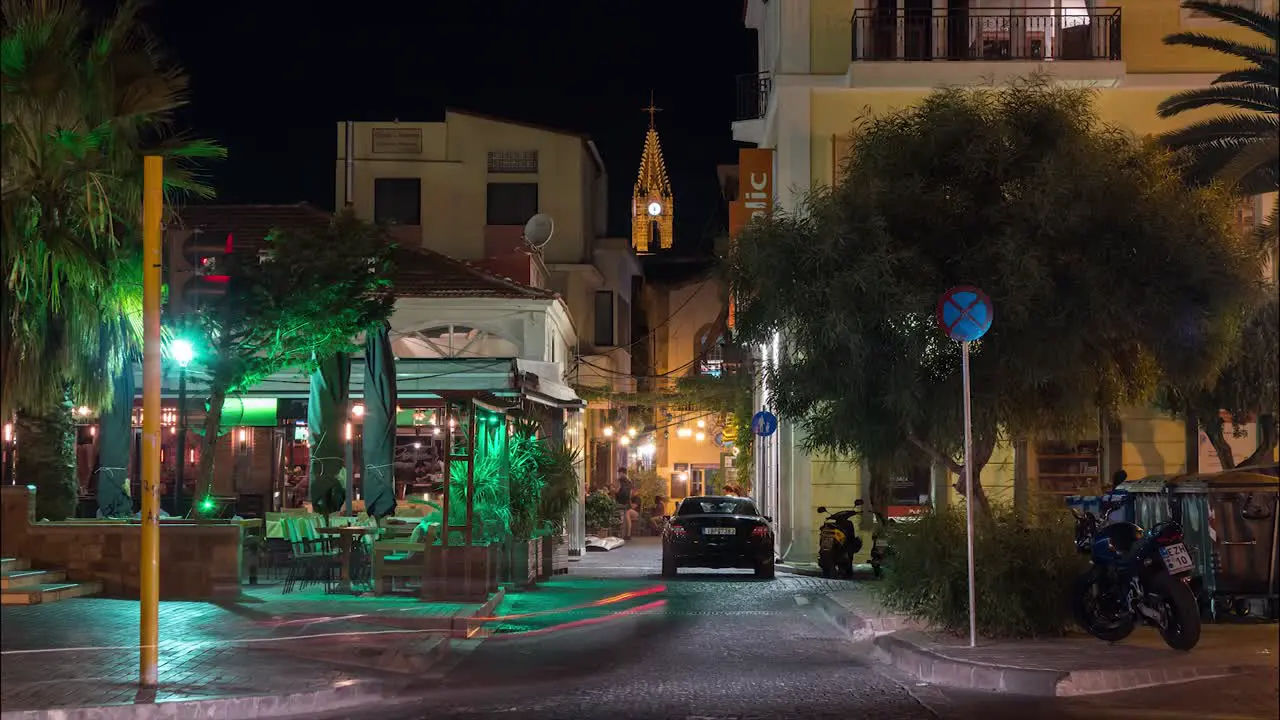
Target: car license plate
826, 543
719, 531
1176, 558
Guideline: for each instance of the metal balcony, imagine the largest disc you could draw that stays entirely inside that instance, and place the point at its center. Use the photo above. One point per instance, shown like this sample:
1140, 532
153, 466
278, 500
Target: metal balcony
752, 96
992, 34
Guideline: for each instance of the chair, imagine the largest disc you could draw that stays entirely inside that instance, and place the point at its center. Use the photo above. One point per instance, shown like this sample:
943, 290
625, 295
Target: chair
400, 558
313, 559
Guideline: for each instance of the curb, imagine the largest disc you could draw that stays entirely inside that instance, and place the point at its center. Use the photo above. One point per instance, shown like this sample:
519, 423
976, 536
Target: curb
793, 570
929, 666
857, 628
238, 708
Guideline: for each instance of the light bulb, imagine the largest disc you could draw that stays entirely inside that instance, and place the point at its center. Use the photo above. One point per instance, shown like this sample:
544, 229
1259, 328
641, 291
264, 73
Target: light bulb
348, 431
624, 440
417, 446
632, 432
82, 410
357, 410
244, 435
702, 423
608, 431
684, 432
435, 431
700, 437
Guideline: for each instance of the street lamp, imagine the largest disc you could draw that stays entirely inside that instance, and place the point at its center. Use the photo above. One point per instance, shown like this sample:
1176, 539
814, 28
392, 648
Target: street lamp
183, 353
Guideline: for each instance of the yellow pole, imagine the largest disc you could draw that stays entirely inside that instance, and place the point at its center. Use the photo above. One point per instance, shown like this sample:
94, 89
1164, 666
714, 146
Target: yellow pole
149, 565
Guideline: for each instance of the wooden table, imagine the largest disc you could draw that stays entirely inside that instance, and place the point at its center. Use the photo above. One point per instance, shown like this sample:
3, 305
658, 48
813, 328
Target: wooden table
346, 540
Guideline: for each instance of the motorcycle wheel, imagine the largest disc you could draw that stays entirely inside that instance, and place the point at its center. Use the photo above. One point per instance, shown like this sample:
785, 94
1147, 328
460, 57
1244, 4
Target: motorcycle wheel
1085, 604
828, 567
877, 571
1180, 628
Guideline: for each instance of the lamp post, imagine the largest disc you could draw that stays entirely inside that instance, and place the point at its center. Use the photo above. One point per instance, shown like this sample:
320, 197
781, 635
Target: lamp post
183, 353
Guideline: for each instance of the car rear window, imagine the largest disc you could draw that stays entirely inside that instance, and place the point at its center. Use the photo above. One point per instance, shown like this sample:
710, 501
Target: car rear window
717, 506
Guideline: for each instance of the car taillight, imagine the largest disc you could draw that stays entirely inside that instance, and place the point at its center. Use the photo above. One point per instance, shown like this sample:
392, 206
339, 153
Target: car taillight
760, 531
678, 531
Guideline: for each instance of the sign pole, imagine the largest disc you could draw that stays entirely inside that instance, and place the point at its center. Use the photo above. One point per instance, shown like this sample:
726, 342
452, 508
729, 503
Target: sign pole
968, 493
965, 314
149, 562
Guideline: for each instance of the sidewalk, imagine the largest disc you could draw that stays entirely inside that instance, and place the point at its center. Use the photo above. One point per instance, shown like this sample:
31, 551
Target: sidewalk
267, 655
1074, 665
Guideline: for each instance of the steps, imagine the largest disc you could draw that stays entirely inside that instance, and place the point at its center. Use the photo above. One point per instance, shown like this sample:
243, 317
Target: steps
20, 585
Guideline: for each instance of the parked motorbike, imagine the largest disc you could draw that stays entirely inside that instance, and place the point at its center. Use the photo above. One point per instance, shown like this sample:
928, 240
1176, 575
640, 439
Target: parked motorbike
839, 541
1135, 575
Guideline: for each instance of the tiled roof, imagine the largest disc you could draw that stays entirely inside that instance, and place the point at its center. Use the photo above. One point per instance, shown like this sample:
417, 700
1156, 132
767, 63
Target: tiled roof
420, 273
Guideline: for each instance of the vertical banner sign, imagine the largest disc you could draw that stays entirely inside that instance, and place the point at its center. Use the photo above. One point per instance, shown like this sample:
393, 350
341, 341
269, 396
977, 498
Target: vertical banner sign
755, 195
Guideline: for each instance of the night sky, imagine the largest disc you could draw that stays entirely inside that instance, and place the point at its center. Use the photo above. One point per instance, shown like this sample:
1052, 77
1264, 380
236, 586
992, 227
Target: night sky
270, 79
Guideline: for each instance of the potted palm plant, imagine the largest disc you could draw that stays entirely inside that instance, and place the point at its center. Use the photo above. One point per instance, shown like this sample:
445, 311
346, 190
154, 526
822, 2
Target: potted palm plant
560, 488
526, 462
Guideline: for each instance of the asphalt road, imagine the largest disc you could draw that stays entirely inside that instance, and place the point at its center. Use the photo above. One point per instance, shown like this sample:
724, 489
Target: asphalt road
724, 645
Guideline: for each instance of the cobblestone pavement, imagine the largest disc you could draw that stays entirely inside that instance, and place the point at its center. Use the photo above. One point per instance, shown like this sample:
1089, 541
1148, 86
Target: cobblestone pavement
83, 652
725, 645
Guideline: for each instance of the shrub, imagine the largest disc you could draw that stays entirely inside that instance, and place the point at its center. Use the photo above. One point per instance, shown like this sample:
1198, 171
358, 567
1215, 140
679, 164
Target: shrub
1023, 572
601, 511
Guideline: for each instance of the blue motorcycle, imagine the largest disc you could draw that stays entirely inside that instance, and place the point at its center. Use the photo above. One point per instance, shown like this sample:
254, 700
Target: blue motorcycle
1135, 575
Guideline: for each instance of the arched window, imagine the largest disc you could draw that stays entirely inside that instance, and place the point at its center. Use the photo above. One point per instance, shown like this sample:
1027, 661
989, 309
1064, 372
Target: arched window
708, 351
454, 341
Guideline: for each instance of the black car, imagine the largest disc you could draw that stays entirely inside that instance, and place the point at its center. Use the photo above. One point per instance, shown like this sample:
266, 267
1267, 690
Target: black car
717, 532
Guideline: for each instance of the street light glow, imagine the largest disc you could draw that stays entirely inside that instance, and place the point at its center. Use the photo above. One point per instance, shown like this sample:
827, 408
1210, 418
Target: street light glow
183, 352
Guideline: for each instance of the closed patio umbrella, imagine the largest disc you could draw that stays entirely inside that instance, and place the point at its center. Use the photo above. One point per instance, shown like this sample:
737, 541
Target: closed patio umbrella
379, 435
326, 420
115, 435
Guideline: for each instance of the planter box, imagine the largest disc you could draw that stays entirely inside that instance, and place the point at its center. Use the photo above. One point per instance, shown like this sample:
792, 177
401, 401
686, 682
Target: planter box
523, 560
461, 573
555, 556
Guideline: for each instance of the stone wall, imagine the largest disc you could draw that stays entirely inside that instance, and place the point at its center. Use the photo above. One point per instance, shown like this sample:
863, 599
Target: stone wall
198, 560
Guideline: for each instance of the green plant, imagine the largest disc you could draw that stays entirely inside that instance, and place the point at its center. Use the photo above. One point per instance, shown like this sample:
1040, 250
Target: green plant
491, 518
560, 485
601, 511
1239, 147
645, 484
526, 464
1024, 571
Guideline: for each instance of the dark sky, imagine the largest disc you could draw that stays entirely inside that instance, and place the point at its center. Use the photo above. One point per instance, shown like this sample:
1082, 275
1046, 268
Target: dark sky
270, 78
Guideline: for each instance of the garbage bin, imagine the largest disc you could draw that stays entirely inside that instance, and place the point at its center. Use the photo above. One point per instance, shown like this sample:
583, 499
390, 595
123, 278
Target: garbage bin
1244, 529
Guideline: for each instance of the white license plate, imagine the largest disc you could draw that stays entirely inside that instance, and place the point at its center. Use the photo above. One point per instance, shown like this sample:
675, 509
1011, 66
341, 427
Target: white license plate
827, 542
1176, 558
719, 531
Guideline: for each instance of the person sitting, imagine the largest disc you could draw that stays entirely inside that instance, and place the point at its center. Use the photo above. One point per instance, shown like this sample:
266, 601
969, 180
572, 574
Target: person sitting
657, 514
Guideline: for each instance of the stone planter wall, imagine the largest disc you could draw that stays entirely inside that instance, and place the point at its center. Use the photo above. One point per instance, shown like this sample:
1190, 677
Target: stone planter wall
555, 556
198, 561
461, 573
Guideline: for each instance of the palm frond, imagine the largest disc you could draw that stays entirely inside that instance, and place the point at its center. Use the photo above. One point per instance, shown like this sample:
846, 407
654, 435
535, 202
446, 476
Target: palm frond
1225, 127
1243, 96
1253, 158
1259, 55
1266, 25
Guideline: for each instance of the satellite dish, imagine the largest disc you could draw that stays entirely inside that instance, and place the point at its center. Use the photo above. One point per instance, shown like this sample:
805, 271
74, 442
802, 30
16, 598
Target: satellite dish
538, 231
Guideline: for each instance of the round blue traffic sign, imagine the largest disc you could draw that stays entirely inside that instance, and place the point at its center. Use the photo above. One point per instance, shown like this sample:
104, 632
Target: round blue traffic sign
764, 423
965, 313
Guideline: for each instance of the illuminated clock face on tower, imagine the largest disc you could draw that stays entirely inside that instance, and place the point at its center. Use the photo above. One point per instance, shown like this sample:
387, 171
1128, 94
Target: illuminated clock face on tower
655, 209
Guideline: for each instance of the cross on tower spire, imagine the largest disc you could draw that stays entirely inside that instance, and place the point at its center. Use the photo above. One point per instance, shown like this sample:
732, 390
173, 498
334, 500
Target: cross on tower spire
651, 110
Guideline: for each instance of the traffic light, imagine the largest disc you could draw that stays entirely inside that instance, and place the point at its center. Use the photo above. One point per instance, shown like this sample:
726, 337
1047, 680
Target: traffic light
199, 269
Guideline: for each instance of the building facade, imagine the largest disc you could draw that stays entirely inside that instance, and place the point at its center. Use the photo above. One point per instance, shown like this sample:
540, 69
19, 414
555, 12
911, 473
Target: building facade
466, 187
823, 64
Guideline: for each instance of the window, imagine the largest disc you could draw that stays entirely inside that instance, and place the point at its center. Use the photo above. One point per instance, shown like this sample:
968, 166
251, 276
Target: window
511, 203
397, 201
513, 161
710, 353
716, 506
604, 318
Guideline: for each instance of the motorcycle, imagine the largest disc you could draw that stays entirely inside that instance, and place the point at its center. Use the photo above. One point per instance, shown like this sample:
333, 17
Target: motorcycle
1135, 575
839, 542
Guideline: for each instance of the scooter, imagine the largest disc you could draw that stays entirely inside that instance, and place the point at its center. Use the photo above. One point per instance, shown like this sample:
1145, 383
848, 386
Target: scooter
839, 541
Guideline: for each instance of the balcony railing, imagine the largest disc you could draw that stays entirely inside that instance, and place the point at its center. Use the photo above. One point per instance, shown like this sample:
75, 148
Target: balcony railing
753, 96
987, 34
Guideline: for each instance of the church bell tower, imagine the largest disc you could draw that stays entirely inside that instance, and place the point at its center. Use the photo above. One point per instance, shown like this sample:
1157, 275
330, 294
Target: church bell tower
652, 209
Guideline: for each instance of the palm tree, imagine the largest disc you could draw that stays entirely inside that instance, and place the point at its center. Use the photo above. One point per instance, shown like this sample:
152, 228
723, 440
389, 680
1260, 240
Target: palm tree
1240, 147
81, 103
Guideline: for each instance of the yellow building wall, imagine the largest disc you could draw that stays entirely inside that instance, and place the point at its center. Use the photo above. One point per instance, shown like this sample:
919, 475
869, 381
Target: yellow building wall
453, 168
835, 483
1144, 24
1153, 443
833, 113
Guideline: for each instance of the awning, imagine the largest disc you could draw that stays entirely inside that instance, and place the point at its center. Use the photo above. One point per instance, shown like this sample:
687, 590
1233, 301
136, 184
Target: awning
540, 382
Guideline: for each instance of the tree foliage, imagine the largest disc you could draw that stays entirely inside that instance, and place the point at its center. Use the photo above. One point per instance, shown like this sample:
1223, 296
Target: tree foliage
82, 100
1243, 145
313, 297
1105, 270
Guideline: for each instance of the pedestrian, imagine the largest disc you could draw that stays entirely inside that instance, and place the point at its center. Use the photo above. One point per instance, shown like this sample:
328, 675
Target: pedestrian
623, 499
